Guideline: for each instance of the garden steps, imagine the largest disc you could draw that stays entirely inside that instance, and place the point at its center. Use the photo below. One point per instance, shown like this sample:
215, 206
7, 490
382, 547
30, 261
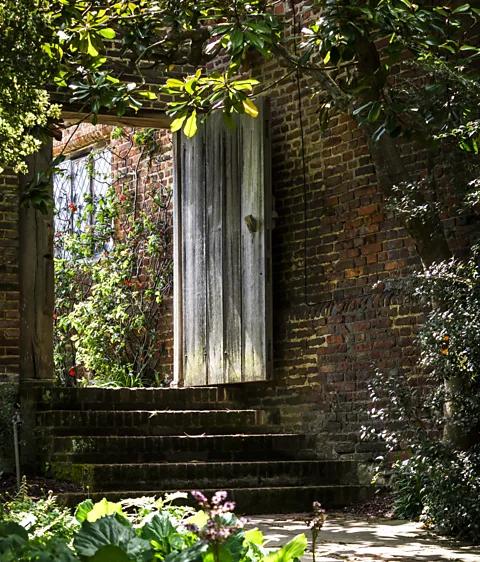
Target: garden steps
202, 398
182, 448
178, 475
128, 442
151, 422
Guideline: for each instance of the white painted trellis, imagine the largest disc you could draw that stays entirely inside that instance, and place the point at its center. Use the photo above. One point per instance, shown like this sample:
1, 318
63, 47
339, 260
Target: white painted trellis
222, 288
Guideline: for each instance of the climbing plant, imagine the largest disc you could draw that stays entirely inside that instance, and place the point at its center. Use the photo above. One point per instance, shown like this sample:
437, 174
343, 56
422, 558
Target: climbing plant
112, 274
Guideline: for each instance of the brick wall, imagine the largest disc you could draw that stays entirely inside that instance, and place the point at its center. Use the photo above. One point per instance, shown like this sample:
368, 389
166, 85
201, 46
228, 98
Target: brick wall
9, 277
335, 246
9, 311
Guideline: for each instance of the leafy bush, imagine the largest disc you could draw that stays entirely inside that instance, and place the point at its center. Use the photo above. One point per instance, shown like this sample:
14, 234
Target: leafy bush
106, 532
111, 278
42, 518
433, 417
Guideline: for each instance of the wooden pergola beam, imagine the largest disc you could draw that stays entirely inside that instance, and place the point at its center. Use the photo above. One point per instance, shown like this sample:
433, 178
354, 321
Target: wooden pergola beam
156, 119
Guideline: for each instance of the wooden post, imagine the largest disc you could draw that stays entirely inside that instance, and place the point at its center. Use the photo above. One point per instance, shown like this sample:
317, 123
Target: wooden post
36, 280
36, 310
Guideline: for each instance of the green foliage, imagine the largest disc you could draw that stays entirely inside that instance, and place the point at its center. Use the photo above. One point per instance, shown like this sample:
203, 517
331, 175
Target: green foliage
111, 278
25, 109
118, 535
42, 519
440, 479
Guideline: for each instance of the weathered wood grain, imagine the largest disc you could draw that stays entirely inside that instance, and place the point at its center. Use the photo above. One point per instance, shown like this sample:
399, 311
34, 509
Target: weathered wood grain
223, 313
194, 260
214, 202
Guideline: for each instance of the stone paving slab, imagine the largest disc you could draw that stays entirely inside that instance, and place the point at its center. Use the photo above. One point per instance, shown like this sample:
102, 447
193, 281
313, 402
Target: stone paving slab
365, 540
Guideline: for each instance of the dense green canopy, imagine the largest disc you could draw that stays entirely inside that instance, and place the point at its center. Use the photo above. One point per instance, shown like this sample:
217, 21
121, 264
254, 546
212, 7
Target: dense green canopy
354, 51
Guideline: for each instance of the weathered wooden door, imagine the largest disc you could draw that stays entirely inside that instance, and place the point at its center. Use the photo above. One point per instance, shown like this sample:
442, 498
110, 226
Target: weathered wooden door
222, 208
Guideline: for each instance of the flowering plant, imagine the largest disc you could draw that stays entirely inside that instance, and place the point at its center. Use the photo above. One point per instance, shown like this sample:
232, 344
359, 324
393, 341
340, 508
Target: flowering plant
111, 279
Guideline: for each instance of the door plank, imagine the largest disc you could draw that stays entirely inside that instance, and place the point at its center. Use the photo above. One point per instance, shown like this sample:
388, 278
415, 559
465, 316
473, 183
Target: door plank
232, 266
194, 262
214, 201
254, 344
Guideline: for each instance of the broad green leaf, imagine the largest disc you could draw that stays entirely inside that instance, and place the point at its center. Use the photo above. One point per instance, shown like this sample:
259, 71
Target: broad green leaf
255, 536
110, 532
374, 112
191, 554
462, 8
158, 528
175, 84
250, 108
228, 120
83, 509
191, 126
199, 519
177, 124
102, 508
91, 50
224, 555
108, 33
293, 549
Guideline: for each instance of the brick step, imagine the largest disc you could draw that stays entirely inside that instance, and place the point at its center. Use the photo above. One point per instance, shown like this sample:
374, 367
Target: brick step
178, 448
175, 476
254, 501
151, 422
198, 398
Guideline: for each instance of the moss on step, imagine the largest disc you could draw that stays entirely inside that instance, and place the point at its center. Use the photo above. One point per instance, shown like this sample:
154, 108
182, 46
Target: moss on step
83, 474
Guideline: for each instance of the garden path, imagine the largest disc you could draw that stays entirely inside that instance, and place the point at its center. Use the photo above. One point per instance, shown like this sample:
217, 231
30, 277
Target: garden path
366, 540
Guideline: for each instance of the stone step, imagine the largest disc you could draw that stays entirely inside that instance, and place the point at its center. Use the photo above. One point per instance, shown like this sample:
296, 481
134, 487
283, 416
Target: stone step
178, 448
177, 476
198, 398
151, 422
254, 501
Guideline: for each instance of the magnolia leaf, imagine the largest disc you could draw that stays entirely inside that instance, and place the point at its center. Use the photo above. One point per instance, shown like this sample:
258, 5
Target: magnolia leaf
177, 124
228, 120
174, 83
91, 50
250, 108
191, 126
108, 33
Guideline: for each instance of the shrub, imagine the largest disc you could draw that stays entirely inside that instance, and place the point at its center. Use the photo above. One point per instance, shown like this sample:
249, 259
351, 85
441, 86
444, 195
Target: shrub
106, 531
111, 280
432, 417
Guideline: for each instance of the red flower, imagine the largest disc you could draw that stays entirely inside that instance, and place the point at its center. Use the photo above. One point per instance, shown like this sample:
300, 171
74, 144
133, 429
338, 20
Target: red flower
73, 372
72, 207
122, 197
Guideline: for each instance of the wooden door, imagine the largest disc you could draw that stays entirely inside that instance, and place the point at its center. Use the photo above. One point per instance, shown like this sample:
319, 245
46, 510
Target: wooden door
222, 238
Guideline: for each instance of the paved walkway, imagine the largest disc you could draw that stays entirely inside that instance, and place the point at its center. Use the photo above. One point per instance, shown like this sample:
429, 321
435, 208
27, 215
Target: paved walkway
366, 540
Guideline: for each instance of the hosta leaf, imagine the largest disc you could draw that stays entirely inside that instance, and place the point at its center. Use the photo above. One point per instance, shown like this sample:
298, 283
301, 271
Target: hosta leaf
103, 508
293, 549
110, 532
83, 509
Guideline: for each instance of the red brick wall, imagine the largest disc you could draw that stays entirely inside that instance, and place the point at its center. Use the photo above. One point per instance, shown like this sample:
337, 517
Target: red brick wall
9, 277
